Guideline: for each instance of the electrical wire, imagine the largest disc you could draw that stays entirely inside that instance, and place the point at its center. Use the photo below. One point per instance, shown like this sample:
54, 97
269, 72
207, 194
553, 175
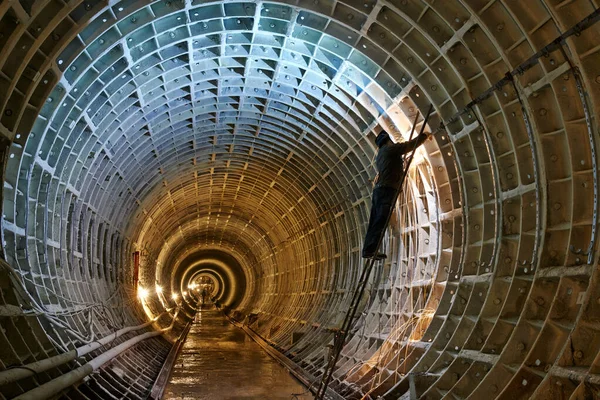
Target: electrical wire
54, 317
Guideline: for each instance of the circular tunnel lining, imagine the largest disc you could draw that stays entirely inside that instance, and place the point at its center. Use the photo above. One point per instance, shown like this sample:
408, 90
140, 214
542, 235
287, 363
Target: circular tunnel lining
171, 128
229, 280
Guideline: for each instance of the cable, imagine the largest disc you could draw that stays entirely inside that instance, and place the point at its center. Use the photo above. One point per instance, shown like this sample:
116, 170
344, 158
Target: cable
53, 316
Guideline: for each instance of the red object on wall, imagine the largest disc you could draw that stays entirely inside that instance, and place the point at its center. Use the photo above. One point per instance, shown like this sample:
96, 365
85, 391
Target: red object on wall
136, 269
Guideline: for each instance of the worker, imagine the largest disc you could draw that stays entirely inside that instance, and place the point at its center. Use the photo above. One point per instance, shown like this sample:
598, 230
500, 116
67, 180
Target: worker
204, 293
390, 167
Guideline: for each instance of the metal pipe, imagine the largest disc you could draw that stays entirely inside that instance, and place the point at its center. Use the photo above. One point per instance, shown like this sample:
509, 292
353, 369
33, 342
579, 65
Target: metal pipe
57, 385
23, 371
556, 44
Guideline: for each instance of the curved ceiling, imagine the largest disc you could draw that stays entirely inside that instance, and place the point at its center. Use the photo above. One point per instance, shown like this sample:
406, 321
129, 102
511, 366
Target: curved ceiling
147, 141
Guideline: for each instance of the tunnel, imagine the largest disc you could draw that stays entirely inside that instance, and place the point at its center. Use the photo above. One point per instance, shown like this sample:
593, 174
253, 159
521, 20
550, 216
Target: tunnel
154, 152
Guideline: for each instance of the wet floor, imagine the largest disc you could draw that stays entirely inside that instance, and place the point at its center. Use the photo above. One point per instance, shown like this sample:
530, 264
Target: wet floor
219, 361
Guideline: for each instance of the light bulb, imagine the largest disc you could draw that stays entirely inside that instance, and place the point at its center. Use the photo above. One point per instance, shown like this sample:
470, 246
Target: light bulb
142, 293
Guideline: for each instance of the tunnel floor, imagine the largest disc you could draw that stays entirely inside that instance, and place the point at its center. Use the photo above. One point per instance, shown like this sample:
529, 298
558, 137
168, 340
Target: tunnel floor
219, 361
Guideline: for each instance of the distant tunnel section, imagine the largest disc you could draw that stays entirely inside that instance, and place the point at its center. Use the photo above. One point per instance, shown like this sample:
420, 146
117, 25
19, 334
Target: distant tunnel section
219, 273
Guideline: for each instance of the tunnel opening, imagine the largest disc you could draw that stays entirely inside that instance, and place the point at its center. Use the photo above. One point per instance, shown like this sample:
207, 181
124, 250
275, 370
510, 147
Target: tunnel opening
218, 272
152, 150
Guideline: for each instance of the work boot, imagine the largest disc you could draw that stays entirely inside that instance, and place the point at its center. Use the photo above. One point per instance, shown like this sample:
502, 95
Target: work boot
376, 257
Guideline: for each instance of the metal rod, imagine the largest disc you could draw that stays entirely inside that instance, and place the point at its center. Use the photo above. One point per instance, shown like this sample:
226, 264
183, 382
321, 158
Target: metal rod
591, 134
158, 389
557, 43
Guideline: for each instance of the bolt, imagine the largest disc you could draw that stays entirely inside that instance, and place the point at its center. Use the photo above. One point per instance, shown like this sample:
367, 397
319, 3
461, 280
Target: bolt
521, 346
540, 301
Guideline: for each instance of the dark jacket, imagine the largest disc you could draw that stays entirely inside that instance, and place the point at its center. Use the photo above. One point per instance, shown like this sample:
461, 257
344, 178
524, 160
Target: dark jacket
389, 161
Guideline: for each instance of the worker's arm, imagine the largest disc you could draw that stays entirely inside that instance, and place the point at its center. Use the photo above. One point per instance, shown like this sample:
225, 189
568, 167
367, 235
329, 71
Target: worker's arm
414, 143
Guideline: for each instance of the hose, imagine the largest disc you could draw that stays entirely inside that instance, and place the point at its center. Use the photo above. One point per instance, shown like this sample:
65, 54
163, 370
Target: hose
55, 386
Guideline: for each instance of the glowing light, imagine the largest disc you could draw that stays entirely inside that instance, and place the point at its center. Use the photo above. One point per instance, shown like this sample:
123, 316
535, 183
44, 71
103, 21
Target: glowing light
184, 293
174, 296
158, 289
142, 293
